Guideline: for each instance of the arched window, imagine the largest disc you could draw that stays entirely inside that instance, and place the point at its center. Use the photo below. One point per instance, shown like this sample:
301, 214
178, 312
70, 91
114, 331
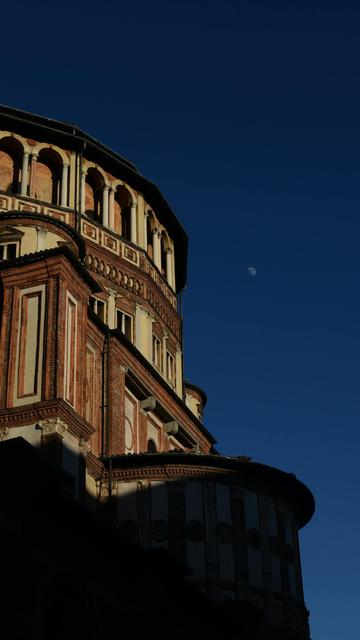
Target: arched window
48, 176
11, 153
94, 183
122, 212
151, 446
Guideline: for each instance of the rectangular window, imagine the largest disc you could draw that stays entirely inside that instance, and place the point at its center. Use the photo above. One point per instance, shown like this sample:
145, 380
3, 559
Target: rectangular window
170, 368
99, 307
11, 251
8, 251
156, 352
124, 323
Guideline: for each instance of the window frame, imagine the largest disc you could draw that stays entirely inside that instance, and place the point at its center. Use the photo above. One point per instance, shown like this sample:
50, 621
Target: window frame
94, 304
170, 368
125, 316
5, 245
156, 352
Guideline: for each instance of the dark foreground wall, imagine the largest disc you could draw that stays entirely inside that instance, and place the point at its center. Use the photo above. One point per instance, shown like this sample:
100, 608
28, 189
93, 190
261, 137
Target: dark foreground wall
67, 574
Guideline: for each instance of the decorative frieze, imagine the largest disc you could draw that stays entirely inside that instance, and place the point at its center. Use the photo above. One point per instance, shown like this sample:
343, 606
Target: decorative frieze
160, 472
166, 316
114, 274
130, 254
29, 205
5, 203
59, 215
90, 231
111, 243
159, 281
224, 532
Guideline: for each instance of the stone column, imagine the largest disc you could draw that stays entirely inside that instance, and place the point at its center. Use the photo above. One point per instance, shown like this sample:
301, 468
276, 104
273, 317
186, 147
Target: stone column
105, 206
82, 188
156, 248
169, 266
111, 208
145, 230
143, 331
164, 352
64, 185
41, 238
179, 378
133, 223
32, 175
111, 301
24, 173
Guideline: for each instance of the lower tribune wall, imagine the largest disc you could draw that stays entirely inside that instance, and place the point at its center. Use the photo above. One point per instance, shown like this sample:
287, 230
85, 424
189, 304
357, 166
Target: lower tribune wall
236, 542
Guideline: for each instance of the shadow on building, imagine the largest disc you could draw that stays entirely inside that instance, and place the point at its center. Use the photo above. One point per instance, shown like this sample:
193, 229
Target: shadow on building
118, 513
66, 573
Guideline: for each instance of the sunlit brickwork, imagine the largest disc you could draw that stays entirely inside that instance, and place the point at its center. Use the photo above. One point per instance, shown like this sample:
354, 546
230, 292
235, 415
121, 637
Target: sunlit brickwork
92, 259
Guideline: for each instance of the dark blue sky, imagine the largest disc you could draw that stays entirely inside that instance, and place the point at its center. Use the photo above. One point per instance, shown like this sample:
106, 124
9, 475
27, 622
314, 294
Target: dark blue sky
246, 115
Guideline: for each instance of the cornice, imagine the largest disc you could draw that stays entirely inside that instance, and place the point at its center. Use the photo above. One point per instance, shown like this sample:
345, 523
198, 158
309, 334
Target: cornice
46, 410
94, 465
253, 475
39, 256
118, 271
40, 217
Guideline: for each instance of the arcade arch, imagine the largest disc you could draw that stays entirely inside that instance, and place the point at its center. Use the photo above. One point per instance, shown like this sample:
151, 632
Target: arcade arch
11, 153
93, 190
47, 176
122, 212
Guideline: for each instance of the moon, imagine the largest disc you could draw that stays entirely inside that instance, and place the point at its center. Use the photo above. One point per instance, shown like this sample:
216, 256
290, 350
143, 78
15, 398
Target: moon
252, 271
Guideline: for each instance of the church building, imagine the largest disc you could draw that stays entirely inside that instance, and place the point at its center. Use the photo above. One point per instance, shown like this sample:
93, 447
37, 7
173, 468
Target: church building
92, 259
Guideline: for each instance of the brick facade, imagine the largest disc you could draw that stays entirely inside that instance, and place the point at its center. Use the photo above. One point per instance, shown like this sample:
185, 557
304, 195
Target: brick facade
105, 399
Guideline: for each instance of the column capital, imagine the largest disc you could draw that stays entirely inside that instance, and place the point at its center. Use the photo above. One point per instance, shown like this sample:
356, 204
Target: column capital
106, 187
51, 426
84, 447
4, 431
34, 155
168, 250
